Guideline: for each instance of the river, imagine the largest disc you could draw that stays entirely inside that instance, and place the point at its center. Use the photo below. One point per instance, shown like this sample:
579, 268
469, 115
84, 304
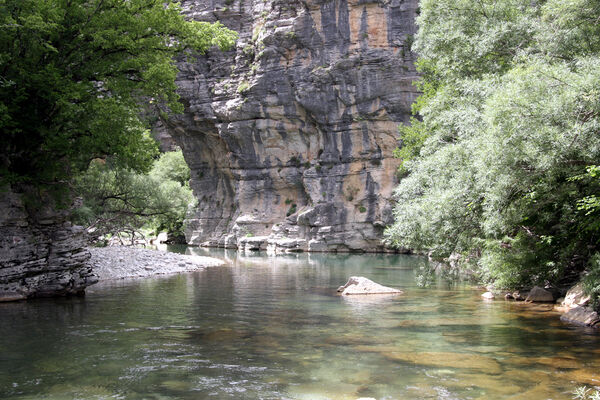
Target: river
274, 328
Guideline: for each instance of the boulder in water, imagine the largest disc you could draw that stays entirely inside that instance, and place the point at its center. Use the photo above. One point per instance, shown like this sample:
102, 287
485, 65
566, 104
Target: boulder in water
537, 294
582, 316
519, 296
362, 285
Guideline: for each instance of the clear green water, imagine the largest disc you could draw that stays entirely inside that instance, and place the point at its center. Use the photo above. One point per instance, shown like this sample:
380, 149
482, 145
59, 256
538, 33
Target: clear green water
273, 328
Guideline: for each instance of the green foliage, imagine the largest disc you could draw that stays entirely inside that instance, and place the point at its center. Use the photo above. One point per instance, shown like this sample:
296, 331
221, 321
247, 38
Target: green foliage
243, 87
518, 261
591, 281
292, 210
117, 199
468, 38
171, 166
502, 163
76, 75
413, 137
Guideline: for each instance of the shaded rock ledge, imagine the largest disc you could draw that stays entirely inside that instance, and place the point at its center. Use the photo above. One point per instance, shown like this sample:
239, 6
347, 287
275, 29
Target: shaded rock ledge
121, 262
358, 285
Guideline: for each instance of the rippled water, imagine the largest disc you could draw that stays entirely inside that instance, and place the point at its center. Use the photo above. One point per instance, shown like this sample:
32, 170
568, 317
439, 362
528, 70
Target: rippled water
273, 328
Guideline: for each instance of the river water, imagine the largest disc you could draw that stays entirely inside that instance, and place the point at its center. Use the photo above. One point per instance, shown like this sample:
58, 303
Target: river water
273, 328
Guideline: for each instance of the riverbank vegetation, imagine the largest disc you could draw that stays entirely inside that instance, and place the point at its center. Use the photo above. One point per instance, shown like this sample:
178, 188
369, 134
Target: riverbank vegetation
585, 393
116, 200
501, 164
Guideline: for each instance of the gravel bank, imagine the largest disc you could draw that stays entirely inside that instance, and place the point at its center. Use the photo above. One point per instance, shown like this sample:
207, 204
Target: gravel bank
118, 262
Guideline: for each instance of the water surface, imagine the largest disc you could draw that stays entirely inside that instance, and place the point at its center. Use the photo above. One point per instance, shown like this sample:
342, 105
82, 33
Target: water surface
274, 328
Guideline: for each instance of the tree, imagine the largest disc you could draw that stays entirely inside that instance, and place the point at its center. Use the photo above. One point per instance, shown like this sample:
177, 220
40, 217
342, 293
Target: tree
503, 165
80, 78
116, 199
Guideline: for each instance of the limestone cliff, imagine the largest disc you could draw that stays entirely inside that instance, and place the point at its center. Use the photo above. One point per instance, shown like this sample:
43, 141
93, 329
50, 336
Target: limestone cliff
290, 136
41, 253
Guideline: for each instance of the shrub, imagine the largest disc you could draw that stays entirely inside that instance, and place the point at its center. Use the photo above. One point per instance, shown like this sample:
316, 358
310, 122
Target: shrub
591, 281
243, 87
116, 199
501, 157
584, 393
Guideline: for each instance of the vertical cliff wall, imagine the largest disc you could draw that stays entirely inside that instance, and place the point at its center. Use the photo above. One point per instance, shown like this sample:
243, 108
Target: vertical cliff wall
41, 253
290, 136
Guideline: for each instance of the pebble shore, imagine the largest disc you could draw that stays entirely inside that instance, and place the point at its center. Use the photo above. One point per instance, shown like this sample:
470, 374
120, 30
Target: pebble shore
121, 262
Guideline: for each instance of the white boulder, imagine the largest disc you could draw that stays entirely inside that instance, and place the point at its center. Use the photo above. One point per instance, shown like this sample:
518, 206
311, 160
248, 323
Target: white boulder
361, 285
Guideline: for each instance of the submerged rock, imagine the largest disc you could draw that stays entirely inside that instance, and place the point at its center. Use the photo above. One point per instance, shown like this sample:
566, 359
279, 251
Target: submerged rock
484, 364
539, 295
362, 285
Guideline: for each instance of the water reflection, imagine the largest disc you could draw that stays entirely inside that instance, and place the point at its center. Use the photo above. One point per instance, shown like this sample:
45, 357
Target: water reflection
275, 328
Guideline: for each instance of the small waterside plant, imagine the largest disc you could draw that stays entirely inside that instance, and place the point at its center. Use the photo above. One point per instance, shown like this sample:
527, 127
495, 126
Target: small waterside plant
585, 393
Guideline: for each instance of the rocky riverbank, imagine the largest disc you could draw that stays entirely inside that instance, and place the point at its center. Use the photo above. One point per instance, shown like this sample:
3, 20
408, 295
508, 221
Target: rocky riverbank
120, 262
574, 305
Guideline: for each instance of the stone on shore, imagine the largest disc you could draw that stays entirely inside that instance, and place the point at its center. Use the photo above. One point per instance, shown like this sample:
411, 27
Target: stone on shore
488, 295
360, 285
539, 295
120, 262
582, 316
162, 237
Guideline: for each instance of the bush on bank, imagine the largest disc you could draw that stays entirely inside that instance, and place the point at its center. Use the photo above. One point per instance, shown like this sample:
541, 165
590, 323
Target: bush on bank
117, 199
502, 163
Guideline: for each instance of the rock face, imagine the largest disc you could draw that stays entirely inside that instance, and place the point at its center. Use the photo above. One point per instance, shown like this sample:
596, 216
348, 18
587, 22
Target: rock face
290, 136
357, 285
41, 254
